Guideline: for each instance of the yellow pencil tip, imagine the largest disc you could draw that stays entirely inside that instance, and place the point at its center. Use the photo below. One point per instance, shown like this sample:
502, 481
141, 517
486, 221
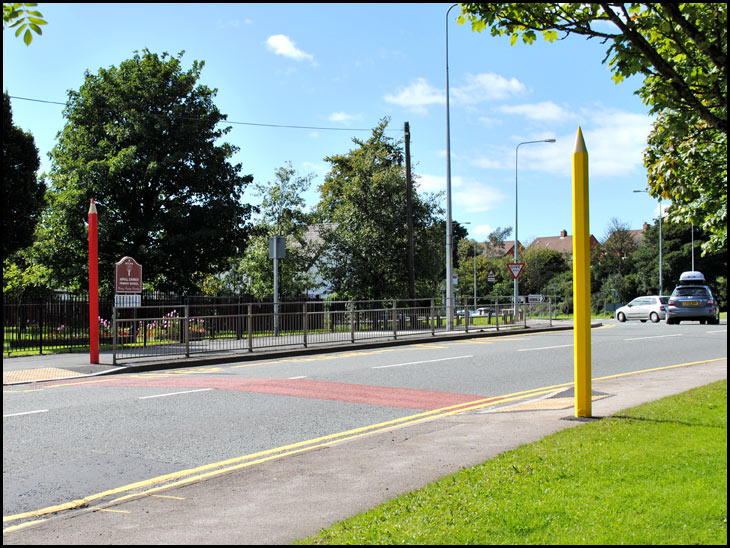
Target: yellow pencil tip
580, 144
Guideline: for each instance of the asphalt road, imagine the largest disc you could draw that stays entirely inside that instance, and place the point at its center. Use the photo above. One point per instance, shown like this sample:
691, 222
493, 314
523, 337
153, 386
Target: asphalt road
64, 441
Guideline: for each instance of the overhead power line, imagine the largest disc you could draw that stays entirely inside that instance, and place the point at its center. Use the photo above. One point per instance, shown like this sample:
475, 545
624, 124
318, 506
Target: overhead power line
280, 126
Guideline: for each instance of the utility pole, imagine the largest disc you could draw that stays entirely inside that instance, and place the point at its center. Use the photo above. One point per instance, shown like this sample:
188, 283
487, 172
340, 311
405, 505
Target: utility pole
409, 215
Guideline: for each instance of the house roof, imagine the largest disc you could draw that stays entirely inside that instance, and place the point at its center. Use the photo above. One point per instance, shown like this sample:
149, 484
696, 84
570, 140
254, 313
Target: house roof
506, 248
561, 244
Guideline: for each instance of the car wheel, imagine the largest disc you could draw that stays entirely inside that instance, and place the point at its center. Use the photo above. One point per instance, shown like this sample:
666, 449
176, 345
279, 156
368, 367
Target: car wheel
621, 317
714, 321
654, 317
671, 321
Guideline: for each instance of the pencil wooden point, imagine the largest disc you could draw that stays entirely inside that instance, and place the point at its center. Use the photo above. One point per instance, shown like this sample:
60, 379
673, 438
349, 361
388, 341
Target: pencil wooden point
580, 144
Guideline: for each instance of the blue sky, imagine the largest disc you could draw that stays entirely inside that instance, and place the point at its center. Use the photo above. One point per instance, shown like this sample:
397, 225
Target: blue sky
340, 68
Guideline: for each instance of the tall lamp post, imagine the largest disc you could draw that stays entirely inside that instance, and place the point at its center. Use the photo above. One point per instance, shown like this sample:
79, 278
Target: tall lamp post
660, 239
449, 235
516, 288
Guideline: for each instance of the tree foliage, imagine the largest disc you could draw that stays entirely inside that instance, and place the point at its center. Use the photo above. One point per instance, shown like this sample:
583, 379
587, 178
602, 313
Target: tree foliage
17, 16
681, 51
283, 213
142, 140
23, 194
363, 198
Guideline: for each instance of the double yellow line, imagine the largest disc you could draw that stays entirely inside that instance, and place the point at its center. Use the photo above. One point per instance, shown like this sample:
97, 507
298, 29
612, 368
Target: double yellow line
201, 473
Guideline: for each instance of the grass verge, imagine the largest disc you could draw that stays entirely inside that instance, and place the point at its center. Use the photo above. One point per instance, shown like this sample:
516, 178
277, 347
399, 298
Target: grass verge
654, 474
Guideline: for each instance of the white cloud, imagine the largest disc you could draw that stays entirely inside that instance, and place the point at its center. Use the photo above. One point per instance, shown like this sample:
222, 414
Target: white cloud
487, 87
481, 232
486, 162
616, 141
477, 89
285, 46
417, 96
546, 111
344, 118
470, 195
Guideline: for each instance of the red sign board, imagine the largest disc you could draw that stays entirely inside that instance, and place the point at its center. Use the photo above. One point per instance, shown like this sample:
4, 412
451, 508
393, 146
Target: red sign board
515, 269
128, 276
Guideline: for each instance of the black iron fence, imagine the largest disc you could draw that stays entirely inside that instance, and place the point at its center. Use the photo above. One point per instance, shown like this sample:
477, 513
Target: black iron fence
166, 326
60, 323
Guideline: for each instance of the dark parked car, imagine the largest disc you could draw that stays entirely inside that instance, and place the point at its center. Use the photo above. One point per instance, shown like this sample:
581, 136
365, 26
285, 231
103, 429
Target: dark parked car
692, 300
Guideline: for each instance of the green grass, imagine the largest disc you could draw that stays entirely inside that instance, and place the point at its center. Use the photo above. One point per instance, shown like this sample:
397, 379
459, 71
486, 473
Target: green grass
654, 474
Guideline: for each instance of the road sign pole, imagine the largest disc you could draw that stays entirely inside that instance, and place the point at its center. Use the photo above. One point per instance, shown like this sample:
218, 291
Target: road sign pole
581, 281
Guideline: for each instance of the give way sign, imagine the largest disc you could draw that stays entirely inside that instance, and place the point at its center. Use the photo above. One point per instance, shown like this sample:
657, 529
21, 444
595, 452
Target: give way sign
515, 269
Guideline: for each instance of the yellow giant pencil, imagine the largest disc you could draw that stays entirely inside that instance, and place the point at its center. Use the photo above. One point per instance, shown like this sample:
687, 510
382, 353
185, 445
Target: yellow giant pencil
581, 280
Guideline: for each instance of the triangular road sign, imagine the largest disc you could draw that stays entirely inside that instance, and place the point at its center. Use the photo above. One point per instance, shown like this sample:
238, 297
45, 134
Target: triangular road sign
515, 269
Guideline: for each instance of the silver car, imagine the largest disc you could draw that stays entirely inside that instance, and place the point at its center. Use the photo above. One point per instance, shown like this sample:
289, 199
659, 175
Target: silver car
651, 307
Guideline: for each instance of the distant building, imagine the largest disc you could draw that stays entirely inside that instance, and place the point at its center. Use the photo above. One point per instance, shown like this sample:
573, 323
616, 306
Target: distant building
638, 235
505, 250
561, 244
624, 242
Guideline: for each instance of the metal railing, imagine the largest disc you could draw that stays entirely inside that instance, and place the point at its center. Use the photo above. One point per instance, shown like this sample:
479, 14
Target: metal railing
159, 332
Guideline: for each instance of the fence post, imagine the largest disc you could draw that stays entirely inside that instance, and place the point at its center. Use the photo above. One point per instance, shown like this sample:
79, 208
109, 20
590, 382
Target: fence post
351, 306
40, 329
466, 315
525, 311
433, 319
395, 320
250, 327
185, 325
550, 311
114, 335
304, 323
496, 312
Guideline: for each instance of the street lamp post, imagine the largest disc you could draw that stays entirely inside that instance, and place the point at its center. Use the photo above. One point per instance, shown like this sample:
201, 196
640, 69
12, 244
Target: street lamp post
660, 239
449, 235
516, 288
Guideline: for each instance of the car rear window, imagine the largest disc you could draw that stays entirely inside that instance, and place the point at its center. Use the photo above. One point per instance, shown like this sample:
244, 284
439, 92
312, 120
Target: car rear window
664, 300
690, 292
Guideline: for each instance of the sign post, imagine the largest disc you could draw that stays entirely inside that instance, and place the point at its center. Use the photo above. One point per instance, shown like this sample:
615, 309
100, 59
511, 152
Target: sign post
93, 285
581, 280
277, 250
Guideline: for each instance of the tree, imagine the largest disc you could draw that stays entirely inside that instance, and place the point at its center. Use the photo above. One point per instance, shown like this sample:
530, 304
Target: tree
363, 198
16, 16
23, 194
541, 265
282, 214
681, 50
676, 258
141, 139
687, 163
